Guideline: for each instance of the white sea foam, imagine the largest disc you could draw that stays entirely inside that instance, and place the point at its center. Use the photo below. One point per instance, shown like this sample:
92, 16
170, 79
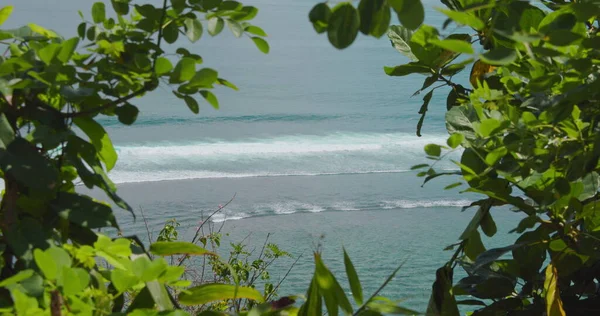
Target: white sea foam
424, 203
297, 155
120, 177
284, 145
293, 207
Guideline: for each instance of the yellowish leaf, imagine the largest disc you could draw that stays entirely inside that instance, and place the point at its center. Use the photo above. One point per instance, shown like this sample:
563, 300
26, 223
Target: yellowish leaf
478, 72
554, 305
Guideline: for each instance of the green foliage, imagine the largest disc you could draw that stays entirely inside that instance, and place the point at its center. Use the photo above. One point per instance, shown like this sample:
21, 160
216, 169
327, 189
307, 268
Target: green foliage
527, 128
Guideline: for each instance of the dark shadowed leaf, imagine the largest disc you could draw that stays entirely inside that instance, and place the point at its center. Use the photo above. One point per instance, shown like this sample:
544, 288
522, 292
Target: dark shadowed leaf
84, 211
499, 56
28, 167
343, 25
412, 14
127, 113
319, 16
192, 104
374, 17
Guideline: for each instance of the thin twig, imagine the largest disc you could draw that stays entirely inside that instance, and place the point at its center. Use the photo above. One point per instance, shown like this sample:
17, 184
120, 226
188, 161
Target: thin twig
262, 251
284, 277
390, 278
150, 239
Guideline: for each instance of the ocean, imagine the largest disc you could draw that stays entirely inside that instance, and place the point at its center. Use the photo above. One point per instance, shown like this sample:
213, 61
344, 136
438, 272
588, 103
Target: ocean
316, 147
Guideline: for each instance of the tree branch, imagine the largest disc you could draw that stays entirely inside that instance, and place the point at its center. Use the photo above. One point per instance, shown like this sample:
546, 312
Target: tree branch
107, 105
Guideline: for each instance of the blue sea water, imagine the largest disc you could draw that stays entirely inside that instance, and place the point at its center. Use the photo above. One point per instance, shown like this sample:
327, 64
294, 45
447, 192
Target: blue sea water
316, 147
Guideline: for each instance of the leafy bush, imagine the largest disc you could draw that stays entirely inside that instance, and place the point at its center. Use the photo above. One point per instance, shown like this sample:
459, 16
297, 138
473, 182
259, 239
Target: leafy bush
527, 127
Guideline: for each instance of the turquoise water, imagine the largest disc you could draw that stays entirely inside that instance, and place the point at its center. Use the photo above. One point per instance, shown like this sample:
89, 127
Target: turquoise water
316, 142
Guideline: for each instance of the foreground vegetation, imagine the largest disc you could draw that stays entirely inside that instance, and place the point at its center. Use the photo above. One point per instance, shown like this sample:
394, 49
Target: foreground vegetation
526, 124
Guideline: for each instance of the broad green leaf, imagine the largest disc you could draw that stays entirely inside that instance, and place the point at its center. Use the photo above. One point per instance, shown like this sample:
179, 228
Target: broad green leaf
591, 185
210, 98
163, 66
192, 104
5, 12
554, 305
42, 31
489, 126
488, 226
171, 32
563, 37
457, 46
407, 69
26, 165
331, 290
353, 279
67, 49
100, 139
473, 245
73, 280
227, 84
205, 77
314, 303
45, 263
412, 14
442, 301
453, 185
433, 150
343, 25
120, 6
464, 18
184, 70
495, 155
215, 25
319, 16
255, 30
400, 37
474, 223
261, 44
178, 5
20, 276
98, 12
164, 248
207, 293
492, 255
160, 295
84, 211
499, 56
246, 13
374, 17
127, 113
455, 140
235, 27
193, 29
48, 53
60, 257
